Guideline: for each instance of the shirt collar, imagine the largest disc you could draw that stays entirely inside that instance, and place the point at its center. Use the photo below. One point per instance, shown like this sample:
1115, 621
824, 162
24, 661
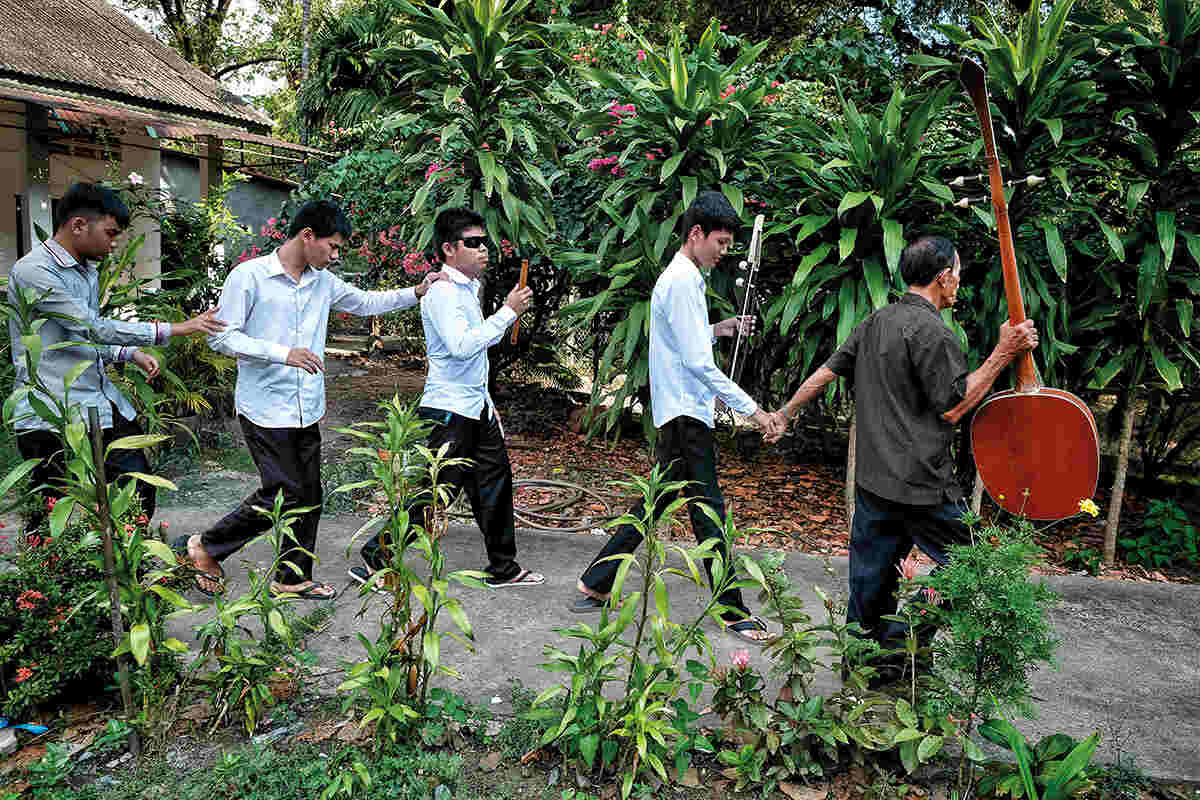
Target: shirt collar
456, 276
913, 299
61, 256
680, 258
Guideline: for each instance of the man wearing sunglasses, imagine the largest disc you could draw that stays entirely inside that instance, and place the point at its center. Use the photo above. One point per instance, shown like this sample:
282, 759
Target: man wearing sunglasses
456, 399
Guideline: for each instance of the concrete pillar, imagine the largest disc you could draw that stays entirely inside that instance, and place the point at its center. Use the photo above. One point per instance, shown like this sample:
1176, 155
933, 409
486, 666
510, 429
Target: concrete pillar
216, 158
35, 194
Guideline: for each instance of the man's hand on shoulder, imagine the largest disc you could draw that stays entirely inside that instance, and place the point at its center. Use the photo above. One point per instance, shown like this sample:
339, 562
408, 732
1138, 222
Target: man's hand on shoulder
430, 278
206, 323
519, 300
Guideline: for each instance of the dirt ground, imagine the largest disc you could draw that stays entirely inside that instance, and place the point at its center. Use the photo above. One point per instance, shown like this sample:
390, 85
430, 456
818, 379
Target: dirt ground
782, 497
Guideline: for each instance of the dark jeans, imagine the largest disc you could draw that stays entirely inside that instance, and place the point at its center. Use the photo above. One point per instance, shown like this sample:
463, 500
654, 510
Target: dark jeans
882, 534
47, 446
287, 459
487, 480
684, 452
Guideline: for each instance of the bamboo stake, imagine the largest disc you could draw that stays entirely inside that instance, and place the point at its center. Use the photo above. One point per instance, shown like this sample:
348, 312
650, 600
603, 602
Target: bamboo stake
1113, 523
524, 280
110, 576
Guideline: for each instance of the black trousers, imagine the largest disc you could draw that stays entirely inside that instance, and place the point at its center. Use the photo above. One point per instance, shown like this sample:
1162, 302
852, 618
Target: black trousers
882, 534
685, 452
47, 446
487, 481
287, 459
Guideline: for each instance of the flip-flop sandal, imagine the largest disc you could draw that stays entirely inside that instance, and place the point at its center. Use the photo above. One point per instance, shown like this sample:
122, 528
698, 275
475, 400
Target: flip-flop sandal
363, 576
179, 546
312, 592
742, 629
522, 578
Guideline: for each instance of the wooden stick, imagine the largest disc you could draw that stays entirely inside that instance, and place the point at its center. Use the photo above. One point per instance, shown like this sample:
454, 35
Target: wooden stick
110, 576
524, 280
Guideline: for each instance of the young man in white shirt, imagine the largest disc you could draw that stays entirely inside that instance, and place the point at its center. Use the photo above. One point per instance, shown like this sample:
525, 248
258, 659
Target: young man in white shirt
684, 380
456, 399
277, 311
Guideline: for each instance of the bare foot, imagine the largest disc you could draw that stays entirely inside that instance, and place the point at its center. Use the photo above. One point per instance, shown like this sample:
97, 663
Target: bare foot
590, 592
210, 578
309, 589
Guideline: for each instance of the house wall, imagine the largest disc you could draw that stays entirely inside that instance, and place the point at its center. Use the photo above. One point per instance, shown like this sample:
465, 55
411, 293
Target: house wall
12, 178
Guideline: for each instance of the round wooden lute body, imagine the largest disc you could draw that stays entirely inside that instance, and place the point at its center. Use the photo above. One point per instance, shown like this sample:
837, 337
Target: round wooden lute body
1037, 449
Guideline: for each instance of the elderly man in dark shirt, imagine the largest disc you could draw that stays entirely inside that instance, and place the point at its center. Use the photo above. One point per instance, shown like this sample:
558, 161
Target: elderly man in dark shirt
911, 387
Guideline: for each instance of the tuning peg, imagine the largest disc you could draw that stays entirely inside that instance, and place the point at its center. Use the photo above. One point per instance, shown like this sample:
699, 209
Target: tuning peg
743, 265
740, 282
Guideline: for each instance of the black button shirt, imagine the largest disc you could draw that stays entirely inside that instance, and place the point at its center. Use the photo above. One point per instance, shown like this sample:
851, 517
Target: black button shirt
908, 369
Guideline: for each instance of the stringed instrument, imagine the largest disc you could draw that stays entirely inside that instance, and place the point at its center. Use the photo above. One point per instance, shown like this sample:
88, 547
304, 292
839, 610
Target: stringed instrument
748, 284
1036, 448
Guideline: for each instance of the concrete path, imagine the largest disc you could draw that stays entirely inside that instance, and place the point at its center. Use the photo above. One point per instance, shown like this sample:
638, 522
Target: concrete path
1129, 660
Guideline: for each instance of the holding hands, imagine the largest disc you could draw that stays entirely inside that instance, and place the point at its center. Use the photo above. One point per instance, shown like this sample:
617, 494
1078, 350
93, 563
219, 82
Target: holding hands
734, 325
772, 424
147, 362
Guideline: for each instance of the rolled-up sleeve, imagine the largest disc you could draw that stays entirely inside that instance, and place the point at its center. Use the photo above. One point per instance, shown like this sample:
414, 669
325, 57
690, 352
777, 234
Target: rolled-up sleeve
75, 317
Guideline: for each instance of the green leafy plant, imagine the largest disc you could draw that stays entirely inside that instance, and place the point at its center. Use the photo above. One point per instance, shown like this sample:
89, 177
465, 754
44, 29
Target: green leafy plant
394, 679
51, 770
1167, 537
1053, 769
251, 671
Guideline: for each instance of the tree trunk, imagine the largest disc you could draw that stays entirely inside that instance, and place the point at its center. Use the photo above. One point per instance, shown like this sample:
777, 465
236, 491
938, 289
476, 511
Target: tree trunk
977, 493
1118, 490
851, 459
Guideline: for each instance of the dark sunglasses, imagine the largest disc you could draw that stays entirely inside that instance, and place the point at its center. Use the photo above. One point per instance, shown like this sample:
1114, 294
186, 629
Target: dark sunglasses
474, 242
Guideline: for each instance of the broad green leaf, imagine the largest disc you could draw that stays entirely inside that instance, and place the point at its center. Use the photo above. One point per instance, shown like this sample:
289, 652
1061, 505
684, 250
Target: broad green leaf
670, 165
135, 442
734, 195
1149, 274
851, 200
905, 713
939, 190
893, 243
157, 549
17, 473
876, 282
1134, 196
928, 748
1183, 308
61, 514
431, 646
689, 189
454, 608
1056, 249
153, 480
1165, 222
139, 642
275, 620
1056, 129
588, 746
1168, 371
1114, 241
74, 373
846, 243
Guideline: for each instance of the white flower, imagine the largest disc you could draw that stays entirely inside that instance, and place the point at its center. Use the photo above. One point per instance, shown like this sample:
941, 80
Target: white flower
136, 179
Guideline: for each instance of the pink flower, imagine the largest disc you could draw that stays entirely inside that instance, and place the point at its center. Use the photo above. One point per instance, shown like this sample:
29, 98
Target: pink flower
932, 596
724, 27
28, 599
128, 528
50, 501
907, 568
641, 55
272, 222
740, 659
23, 674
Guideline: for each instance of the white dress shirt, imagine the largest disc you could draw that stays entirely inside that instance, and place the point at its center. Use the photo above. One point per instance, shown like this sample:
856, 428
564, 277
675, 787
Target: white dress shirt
457, 338
684, 378
267, 313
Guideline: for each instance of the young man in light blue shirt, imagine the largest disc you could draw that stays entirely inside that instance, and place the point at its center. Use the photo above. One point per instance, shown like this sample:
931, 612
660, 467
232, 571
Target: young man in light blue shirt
277, 310
684, 381
456, 399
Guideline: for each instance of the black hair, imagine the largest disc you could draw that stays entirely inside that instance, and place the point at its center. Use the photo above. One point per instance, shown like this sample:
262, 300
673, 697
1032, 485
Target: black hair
450, 224
712, 212
91, 201
924, 260
324, 217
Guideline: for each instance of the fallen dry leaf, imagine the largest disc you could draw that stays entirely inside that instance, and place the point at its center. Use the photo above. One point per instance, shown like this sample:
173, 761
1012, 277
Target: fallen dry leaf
321, 732
798, 791
690, 779
197, 712
490, 762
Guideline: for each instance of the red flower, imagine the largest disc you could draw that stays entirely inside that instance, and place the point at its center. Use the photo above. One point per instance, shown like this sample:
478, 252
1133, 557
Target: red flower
27, 600
23, 674
50, 501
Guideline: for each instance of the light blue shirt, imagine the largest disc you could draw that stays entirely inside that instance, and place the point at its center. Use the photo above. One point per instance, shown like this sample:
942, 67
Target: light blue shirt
457, 338
72, 290
684, 378
267, 313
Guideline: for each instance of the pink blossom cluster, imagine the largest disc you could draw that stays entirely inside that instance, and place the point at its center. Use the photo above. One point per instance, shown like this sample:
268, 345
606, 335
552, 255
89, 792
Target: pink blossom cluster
28, 599
254, 251
732, 89
740, 659
607, 161
507, 248
391, 251
585, 55
615, 109
656, 153
641, 54
271, 232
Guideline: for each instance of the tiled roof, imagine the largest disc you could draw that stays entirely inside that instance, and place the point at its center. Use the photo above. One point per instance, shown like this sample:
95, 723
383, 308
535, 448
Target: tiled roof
87, 45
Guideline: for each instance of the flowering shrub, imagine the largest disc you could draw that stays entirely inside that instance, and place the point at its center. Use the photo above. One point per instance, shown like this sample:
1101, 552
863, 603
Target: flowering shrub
45, 650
